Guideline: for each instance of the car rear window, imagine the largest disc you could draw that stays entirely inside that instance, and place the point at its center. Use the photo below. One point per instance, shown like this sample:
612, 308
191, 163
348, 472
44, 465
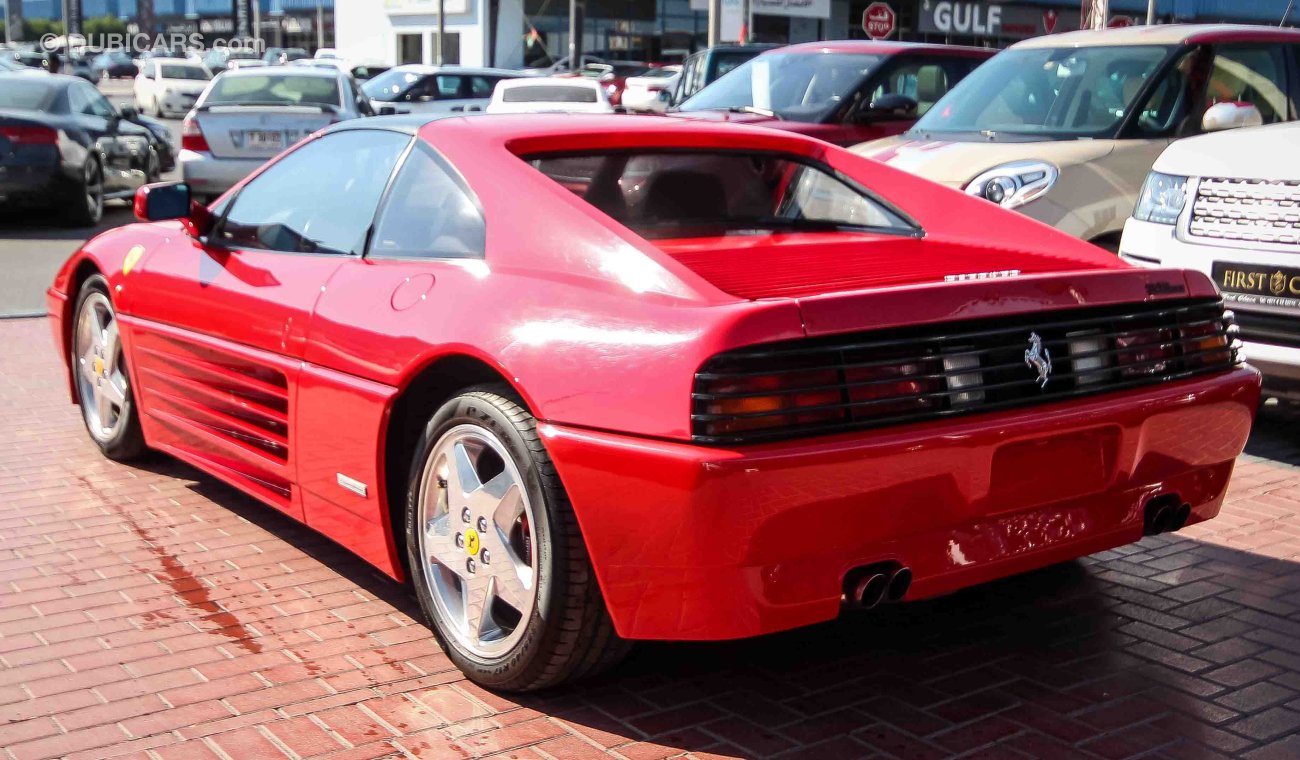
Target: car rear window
185, 72
673, 194
274, 90
24, 94
549, 93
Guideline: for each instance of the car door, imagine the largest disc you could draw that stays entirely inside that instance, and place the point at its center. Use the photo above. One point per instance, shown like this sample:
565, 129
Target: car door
217, 324
99, 121
424, 260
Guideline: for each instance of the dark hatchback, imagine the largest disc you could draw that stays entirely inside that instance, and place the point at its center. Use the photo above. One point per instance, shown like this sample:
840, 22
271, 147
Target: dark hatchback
64, 147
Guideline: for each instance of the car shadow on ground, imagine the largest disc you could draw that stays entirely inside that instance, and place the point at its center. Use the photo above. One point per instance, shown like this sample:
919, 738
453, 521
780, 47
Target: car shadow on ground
1111, 655
47, 225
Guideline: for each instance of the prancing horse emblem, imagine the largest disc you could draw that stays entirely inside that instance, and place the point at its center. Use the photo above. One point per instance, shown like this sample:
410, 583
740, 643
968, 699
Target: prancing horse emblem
1038, 359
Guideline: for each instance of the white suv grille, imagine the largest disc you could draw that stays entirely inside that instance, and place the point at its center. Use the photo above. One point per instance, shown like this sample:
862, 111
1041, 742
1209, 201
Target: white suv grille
1251, 211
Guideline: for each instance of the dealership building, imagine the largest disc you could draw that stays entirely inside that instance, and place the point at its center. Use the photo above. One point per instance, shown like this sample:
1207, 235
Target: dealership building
512, 33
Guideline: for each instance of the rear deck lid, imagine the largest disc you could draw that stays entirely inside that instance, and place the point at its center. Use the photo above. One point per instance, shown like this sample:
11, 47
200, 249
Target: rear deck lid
259, 132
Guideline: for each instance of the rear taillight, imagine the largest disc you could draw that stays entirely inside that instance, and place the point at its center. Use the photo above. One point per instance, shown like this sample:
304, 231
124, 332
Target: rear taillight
30, 135
192, 136
654, 88
756, 402
1145, 353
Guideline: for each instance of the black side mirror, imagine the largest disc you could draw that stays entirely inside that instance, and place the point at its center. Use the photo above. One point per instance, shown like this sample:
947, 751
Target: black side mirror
891, 106
162, 200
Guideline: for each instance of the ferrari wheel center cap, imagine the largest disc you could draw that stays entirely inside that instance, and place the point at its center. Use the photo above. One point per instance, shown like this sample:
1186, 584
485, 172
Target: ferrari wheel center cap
99, 366
471, 542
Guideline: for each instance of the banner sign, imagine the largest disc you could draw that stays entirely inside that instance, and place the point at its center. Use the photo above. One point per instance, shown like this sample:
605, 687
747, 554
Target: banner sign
793, 8
14, 20
243, 19
975, 19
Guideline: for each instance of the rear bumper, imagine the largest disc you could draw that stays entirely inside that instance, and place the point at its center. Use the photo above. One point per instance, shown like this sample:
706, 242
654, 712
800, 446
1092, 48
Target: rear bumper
690, 542
37, 186
212, 176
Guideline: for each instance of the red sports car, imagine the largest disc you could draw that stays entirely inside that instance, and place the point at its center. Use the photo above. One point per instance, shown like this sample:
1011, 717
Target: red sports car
586, 380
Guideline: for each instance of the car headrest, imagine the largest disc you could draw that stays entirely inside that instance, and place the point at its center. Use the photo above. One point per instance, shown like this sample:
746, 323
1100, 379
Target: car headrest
683, 195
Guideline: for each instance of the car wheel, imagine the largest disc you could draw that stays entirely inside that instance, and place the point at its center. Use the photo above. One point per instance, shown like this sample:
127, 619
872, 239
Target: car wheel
87, 206
99, 367
498, 562
153, 166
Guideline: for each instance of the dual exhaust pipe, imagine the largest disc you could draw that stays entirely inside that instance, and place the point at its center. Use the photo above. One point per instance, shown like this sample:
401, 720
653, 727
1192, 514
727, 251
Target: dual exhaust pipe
870, 585
1165, 514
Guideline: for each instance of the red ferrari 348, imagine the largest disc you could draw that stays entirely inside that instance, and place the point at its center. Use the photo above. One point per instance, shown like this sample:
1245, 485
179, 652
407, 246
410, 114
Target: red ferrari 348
585, 380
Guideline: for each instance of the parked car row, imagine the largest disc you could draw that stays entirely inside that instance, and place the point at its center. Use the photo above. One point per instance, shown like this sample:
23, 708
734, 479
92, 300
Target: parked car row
64, 146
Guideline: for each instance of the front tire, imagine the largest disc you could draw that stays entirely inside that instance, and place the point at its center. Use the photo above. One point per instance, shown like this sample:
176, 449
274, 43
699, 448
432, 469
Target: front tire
99, 367
497, 560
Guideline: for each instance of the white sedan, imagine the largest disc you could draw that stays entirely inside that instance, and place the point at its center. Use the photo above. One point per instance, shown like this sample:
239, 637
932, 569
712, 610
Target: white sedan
549, 95
1228, 205
651, 91
169, 86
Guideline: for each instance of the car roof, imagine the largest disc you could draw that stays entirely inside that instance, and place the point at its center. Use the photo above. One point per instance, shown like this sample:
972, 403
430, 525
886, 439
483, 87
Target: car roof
1165, 34
424, 68
175, 60
879, 48
325, 72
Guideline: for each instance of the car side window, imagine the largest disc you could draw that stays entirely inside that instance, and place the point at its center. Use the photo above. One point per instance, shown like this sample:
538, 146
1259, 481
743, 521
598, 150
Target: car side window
97, 103
1254, 74
424, 90
481, 87
299, 204
77, 101
1170, 103
429, 214
921, 80
449, 87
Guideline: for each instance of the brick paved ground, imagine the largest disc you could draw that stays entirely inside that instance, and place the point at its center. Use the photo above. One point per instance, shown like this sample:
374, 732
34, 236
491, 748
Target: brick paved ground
152, 612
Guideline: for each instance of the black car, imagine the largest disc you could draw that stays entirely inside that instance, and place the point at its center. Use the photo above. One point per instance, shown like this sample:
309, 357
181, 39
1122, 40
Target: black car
115, 65
63, 146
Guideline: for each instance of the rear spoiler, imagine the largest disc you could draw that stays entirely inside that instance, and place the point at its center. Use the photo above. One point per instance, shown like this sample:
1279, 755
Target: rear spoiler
233, 107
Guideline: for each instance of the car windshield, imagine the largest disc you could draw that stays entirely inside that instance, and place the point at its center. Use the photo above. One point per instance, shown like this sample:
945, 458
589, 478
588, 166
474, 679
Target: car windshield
24, 94
274, 90
1058, 93
548, 93
676, 195
170, 71
797, 86
391, 84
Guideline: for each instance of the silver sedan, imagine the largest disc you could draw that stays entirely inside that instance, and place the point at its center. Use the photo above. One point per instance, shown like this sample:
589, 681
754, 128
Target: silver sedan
247, 116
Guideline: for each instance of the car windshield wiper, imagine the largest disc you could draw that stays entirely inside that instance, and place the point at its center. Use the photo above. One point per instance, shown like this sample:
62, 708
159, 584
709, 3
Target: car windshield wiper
746, 109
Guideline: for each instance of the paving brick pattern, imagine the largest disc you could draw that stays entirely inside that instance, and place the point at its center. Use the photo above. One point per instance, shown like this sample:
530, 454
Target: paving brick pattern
150, 612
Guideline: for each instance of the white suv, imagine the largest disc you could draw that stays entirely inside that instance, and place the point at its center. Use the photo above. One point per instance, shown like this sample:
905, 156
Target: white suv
1228, 204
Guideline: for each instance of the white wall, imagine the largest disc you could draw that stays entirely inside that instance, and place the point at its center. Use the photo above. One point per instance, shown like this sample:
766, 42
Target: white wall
368, 29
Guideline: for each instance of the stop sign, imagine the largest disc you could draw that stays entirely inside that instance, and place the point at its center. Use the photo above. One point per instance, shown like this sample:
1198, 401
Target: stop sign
878, 21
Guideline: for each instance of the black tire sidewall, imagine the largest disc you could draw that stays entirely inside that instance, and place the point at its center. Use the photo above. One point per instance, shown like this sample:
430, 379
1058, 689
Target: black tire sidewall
517, 668
128, 441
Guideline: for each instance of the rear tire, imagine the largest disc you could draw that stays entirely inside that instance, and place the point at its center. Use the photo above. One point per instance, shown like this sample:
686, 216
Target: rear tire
565, 631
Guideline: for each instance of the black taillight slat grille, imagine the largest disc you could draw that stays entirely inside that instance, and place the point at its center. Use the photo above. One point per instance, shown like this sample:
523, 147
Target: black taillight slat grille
848, 382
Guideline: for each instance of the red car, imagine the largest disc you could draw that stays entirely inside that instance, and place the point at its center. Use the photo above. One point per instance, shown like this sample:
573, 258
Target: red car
586, 380
844, 92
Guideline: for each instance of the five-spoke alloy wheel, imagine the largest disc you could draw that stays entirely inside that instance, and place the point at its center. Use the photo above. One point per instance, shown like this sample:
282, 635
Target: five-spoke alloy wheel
496, 557
103, 385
